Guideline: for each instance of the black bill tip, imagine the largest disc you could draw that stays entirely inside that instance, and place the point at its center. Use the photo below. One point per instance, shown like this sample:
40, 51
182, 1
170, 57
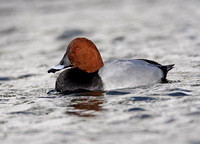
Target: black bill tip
52, 70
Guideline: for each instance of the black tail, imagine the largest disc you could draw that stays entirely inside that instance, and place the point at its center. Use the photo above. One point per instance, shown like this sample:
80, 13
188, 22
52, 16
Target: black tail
165, 70
169, 67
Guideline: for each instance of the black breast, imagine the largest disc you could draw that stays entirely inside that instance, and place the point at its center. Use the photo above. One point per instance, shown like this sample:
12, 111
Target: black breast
76, 80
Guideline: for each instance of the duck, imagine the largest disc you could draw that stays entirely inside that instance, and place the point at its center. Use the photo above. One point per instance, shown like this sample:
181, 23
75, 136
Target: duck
86, 71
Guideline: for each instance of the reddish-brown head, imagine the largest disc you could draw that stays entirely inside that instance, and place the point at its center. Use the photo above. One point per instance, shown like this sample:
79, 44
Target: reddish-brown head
81, 53
84, 55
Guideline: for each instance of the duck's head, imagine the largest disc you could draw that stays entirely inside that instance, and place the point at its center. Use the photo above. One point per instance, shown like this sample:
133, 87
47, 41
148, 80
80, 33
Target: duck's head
82, 54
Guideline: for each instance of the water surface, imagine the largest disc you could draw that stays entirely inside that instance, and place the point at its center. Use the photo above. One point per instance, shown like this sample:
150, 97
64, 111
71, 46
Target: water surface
33, 38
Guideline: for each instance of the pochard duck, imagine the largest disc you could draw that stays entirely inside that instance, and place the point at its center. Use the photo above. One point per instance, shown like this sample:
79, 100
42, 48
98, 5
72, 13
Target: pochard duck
86, 70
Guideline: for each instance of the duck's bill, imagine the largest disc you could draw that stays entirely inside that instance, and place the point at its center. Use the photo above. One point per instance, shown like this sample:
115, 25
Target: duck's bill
57, 68
64, 63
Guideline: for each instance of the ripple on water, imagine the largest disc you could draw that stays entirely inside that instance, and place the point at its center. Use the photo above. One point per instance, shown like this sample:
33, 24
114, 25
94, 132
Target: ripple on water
143, 99
22, 112
7, 93
197, 113
180, 89
8, 31
5, 78
26, 76
178, 94
195, 142
15, 78
34, 111
195, 85
117, 93
144, 116
135, 109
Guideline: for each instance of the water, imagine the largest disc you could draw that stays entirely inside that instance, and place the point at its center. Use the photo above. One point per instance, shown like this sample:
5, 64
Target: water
33, 37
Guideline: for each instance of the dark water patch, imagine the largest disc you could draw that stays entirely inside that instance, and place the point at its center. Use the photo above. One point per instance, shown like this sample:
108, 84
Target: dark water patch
68, 132
3, 121
52, 92
48, 97
195, 85
25, 76
5, 78
22, 112
180, 89
135, 109
22, 98
193, 37
8, 94
143, 99
117, 93
3, 100
158, 37
170, 120
195, 142
197, 113
196, 65
36, 111
8, 11
118, 39
144, 116
15, 78
178, 94
10, 30
70, 34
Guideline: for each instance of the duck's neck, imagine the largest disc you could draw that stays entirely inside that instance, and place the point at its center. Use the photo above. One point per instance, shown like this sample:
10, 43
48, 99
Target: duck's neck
74, 78
80, 75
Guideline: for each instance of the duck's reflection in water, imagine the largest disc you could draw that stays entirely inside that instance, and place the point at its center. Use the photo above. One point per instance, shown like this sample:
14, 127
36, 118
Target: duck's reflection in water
86, 104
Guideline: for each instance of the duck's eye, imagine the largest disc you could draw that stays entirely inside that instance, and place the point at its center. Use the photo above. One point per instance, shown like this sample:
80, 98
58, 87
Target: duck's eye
77, 50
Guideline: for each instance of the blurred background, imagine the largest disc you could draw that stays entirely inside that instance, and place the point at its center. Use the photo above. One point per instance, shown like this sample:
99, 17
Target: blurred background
33, 38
